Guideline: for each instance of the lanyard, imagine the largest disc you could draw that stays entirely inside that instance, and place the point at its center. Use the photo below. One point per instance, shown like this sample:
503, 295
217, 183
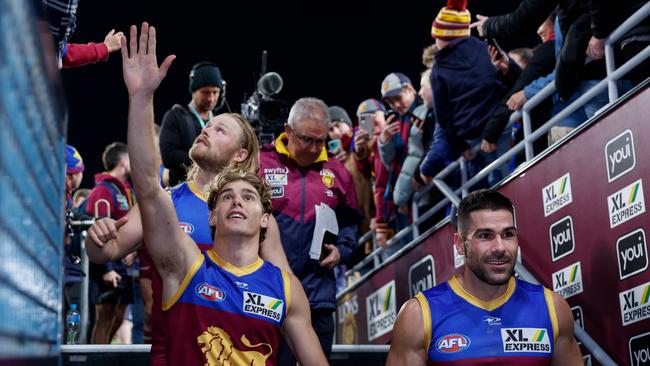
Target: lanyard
201, 122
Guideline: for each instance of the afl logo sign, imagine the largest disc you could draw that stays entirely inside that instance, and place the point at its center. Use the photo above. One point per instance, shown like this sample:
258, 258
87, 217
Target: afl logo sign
209, 292
452, 343
186, 227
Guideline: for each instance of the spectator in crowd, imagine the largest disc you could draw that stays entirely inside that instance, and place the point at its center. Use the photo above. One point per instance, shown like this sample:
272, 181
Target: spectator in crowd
341, 129
182, 124
72, 272
398, 92
573, 75
487, 237
112, 288
605, 17
79, 196
240, 207
74, 173
302, 176
61, 14
367, 161
542, 63
466, 87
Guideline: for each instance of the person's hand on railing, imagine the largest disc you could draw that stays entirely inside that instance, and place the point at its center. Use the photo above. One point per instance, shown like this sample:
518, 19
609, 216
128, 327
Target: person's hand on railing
488, 147
596, 48
382, 234
500, 60
479, 24
391, 129
517, 100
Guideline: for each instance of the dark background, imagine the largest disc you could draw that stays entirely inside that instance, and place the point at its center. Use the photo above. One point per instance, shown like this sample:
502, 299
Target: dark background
338, 51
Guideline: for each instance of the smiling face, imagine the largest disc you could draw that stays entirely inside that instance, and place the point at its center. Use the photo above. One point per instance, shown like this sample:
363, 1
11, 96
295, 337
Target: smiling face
238, 211
489, 243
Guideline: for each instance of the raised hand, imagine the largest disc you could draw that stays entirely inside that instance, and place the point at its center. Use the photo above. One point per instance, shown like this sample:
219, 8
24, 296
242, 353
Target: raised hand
139, 64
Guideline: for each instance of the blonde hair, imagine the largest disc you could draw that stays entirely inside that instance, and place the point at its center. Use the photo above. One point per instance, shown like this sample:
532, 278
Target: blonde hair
428, 55
247, 141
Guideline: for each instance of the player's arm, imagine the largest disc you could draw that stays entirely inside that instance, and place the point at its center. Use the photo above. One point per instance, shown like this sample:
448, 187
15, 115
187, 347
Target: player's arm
110, 240
172, 251
271, 248
566, 348
407, 344
299, 333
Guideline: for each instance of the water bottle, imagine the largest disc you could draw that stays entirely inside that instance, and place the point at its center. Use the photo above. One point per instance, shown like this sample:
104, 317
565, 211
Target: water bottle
72, 325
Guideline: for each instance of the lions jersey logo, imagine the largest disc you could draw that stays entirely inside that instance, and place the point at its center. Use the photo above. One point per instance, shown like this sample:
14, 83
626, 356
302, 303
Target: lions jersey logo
328, 177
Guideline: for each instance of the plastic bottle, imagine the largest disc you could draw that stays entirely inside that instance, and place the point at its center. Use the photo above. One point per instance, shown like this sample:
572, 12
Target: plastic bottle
72, 325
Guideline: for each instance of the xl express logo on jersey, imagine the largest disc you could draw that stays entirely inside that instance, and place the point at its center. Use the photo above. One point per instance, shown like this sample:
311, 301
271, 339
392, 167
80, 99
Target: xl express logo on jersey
266, 306
452, 343
208, 292
634, 304
619, 155
639, 347
568, 281
380, 310
626, 204
557, 194
422, 275
525, 340
632, 254
561, 234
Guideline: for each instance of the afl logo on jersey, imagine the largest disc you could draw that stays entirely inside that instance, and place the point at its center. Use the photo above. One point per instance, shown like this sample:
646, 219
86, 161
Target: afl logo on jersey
209, 292
186, 227
452, 343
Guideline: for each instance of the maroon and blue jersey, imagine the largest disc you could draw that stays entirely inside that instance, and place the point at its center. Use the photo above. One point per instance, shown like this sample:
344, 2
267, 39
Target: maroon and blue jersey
295, 191
222, 314
518, 328
193, 213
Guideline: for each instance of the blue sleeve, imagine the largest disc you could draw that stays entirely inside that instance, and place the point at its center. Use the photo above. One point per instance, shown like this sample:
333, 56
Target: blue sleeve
538, 84
346, 241
108, 266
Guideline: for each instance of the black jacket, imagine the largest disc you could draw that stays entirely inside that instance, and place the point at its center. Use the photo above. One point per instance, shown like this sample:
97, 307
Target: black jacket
575, 24
542, 64
179, 129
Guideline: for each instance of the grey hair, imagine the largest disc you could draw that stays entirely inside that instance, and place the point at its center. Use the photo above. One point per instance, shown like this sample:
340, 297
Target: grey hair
308, 108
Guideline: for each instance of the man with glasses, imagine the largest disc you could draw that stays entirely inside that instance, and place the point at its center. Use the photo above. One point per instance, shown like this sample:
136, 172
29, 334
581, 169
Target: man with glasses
302, 176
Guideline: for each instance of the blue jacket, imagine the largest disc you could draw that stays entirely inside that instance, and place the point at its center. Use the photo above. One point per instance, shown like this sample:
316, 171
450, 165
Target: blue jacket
295, 191
466, 89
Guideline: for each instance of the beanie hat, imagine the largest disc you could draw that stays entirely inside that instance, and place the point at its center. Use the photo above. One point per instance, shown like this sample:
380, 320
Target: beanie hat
393, 84
205, 74
73, 161
452, 21
338, 114
370, 106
